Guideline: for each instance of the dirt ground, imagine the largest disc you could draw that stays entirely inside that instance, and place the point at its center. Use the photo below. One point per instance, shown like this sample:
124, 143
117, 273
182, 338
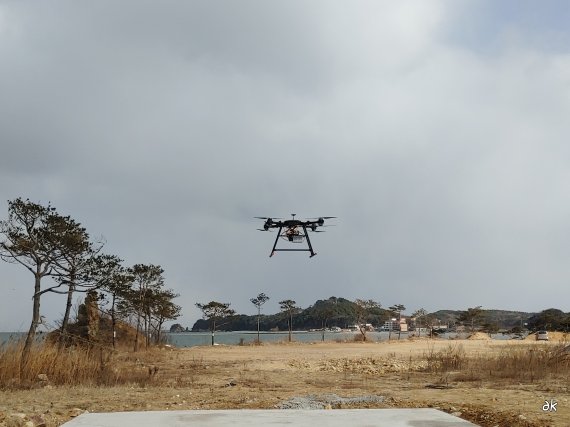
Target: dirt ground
266, 376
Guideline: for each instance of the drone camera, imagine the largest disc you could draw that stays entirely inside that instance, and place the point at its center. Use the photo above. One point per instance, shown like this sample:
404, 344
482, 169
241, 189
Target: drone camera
297, 239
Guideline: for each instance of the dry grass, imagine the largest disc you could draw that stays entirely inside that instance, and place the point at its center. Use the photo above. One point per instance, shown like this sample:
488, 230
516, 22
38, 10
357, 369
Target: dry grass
527, 364
260, 377
100, 366
50, 364
452, 358
522, 364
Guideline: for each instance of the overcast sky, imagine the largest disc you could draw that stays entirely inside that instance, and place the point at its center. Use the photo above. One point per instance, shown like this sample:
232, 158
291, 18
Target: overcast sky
437, 132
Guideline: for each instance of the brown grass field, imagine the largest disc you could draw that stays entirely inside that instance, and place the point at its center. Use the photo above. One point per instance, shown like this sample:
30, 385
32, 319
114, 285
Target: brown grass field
491, 383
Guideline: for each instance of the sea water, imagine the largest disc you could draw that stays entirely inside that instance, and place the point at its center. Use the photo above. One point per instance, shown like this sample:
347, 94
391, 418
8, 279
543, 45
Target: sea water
191, 339
6, 337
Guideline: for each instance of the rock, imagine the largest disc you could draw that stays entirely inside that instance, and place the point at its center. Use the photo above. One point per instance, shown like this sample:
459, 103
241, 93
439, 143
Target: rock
75, 412
456, 414
16, 420
23, 420
38, 421
152, 370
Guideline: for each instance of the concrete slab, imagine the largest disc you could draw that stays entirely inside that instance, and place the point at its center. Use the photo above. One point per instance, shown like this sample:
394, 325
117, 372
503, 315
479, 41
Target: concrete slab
423, 417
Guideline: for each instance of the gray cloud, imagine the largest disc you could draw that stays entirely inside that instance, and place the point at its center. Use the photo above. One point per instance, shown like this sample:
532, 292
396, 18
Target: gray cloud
166, 129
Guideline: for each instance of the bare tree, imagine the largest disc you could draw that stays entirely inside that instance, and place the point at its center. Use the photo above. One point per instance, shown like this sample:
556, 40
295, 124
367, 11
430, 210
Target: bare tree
30, 240
418, 314
147, 280
214, 312
363, 308
397, 310
73, 262
114, 279
324, 313
163, 309
430, 320
471, 315
289, 307
258, 301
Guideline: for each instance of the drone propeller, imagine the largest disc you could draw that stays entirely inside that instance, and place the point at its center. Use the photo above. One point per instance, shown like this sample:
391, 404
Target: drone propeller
324, 217
262, 229
264, 217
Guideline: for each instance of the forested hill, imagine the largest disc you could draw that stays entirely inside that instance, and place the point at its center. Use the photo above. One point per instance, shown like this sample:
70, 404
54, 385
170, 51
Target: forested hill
343, 313
503, 319
331, 312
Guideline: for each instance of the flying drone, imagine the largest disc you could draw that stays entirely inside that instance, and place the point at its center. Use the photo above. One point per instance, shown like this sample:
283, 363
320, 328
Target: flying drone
294, 231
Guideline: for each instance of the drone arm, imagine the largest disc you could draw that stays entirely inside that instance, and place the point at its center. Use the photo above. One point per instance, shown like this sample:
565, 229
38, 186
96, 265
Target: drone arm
308, 241
275, 244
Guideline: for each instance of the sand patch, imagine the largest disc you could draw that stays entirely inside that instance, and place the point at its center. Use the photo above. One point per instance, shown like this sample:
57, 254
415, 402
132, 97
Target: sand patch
479, 336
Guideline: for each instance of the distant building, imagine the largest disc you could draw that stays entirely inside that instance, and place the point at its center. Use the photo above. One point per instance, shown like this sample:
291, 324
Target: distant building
396, 325
367, 327
391, 325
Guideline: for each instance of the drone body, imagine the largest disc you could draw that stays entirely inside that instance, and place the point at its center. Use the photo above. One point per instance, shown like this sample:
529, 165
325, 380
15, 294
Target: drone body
294, 231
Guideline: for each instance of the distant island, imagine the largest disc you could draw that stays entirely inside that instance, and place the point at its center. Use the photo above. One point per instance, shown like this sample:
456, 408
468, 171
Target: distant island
342, 313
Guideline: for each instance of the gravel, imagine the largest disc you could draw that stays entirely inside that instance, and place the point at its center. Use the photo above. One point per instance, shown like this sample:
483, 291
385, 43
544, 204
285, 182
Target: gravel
327, 401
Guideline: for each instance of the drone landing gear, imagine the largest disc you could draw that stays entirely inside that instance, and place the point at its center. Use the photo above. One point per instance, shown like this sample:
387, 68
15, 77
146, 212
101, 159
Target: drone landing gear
310, 249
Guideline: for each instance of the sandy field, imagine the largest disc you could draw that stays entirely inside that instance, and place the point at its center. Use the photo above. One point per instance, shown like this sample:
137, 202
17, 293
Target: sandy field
335, 375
